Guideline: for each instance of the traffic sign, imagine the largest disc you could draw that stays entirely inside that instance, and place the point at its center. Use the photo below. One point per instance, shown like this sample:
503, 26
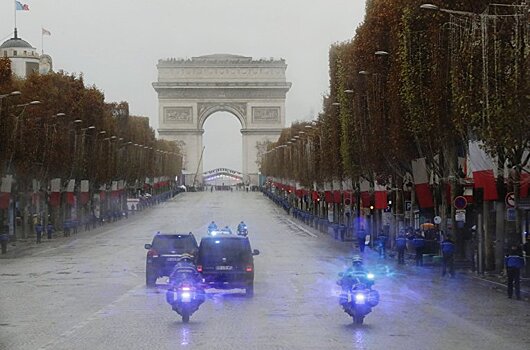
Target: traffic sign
437, 220
408, 205
510, 214
460, 202
510, 200
460, 215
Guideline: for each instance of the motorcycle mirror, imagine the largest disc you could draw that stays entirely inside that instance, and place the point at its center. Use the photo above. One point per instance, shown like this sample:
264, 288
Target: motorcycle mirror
341, 274
147, 246
255, 252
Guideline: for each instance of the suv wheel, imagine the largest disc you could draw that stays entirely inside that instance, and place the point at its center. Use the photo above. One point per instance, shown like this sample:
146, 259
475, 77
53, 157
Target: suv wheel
249, 291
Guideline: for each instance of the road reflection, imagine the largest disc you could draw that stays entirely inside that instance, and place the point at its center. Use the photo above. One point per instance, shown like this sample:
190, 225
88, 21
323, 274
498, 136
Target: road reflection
185, 336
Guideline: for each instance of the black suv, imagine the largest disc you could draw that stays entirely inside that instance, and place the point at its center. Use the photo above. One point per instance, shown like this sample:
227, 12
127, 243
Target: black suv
164, 252
227, 262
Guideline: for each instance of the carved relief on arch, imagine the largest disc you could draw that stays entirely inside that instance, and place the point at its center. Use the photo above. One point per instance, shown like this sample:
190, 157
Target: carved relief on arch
238, 109
178, 115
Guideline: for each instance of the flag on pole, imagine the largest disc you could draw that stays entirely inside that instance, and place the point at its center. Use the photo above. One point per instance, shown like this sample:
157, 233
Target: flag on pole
366, 199
381, 196
21, 7
55, 195
421, 183
46, 32
84, 192
70, 192
482, 166
5, 191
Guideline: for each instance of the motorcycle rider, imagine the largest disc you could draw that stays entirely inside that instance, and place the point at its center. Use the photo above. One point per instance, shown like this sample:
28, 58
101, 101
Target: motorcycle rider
354, 276
212, 227
185, 271
227, 229
241, 227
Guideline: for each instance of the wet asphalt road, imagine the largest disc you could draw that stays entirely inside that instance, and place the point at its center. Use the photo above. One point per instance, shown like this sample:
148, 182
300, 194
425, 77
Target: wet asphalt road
88, 292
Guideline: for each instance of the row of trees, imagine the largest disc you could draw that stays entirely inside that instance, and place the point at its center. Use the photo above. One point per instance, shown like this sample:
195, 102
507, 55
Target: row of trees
53, 126
418, 83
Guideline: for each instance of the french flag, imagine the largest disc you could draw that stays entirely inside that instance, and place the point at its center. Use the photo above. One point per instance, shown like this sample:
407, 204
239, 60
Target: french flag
84, 192
365, 193
114, 189
5, 191
482, 165
70, 189
55, 196
381, 197
421, 183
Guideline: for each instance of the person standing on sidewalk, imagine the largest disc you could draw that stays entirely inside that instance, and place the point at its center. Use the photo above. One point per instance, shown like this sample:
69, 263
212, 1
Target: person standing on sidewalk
49, 230
38, 231
361, 238
401, 244
514, 262
448, 250
381, 244
419, 244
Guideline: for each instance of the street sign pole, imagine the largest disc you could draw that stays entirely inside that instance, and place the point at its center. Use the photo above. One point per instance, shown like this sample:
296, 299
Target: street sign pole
480, 269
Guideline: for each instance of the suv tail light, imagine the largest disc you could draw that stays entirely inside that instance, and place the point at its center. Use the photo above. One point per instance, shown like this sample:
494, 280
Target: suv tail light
249, 268
151, 253
199, 268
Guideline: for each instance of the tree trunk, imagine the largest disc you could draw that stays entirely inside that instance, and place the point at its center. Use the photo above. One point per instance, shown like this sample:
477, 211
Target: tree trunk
500, 240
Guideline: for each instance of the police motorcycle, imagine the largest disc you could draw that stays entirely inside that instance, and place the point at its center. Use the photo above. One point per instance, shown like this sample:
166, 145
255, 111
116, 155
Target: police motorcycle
357, 298
185, 291
242, 229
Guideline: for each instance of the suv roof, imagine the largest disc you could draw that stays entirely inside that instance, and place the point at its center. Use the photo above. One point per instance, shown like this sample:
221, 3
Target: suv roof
174, 241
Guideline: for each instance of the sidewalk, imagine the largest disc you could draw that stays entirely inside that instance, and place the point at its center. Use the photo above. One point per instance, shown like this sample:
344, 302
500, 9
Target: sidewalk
488, 278
29, 245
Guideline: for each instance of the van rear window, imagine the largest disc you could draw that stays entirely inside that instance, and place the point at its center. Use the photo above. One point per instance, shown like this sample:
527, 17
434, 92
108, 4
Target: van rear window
231, 249
178, 243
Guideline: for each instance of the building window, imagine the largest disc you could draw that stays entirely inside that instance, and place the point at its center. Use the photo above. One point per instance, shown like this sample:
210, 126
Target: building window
14, 52
5, 53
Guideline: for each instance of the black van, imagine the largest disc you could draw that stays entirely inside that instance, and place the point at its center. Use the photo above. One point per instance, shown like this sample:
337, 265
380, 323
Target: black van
164, 252
227, 262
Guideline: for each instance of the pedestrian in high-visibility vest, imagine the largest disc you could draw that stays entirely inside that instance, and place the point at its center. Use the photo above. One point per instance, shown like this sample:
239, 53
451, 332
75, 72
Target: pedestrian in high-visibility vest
514, 262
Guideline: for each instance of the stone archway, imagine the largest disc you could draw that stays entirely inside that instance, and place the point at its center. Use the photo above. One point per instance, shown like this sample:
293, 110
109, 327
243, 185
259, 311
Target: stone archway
190, 90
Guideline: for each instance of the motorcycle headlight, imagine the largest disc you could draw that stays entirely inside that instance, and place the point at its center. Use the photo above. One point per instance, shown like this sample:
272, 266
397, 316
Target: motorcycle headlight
186, 295
360, 298
370, 276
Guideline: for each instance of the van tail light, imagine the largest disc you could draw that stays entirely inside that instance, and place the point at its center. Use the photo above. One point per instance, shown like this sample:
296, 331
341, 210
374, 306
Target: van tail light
249, 269
151, 253
199, 268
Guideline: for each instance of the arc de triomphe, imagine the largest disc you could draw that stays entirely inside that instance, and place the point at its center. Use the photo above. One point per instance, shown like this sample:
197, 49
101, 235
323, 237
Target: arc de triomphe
190, 90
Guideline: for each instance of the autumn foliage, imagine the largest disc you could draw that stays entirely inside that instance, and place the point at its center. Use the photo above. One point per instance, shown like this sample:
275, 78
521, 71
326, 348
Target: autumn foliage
74, 134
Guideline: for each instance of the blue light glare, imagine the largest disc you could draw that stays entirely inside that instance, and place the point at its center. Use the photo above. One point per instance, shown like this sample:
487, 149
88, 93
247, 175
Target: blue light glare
359, 298
370, 276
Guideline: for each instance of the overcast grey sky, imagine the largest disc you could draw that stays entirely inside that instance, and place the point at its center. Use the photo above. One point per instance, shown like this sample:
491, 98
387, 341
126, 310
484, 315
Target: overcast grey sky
117, 44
